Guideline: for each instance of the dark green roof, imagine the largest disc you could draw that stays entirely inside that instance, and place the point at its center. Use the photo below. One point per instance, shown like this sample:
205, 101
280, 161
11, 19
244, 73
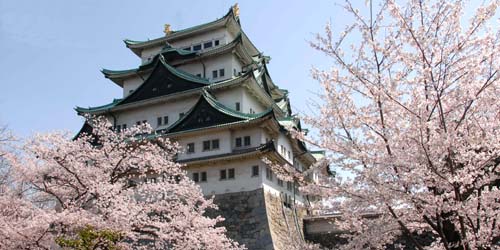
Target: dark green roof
112, 73
153, 86
219, 114
167, 52
98, 108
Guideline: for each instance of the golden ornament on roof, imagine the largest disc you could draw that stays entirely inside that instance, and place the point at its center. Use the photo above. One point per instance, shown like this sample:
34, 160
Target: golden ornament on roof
167, 29
236, 10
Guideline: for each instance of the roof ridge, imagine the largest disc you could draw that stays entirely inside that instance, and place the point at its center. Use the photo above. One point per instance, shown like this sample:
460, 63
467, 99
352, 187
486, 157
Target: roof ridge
101, 107
228, 14
205, 95
229, 111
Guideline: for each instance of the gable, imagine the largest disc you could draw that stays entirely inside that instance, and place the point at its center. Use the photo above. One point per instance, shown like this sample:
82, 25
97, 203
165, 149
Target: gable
203, 115
164, 80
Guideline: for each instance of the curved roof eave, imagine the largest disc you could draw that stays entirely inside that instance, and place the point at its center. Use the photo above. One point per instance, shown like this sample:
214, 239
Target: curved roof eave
139, 45
221, 108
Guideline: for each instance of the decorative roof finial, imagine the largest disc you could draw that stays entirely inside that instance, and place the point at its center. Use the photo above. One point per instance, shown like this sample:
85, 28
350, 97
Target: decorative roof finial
167, 29
236, 10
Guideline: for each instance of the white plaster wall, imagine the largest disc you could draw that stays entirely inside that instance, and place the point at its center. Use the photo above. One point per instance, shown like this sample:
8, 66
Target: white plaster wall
265, 137
285, 141
224, 144
251, 103
192, 68
274, 188
131, 84
150, 113
243, 180
229, 97
254, 133
220, 62
224, 61
236, 63
148, 54
222, 34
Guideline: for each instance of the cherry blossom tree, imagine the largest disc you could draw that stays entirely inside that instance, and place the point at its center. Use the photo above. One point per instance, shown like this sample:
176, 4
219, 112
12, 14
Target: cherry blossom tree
125, 185
410, 116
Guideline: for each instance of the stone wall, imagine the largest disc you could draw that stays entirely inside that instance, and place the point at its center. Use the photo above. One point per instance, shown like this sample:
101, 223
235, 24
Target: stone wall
245, 218
259, 220
286, 224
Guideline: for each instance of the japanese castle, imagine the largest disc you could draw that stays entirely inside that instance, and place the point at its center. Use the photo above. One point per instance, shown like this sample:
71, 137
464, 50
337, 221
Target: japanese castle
208, 88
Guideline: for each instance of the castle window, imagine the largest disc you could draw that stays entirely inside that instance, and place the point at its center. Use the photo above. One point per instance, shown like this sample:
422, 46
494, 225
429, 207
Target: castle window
238, 142
196, 177
203, 177
289, 186
207, 45
230, 173
215, 144
181, 115
247, 140
280, 182
138, 123
238, 106
124, 126
206, 145
190, 148
269, 174
255, 170
282, 150
144, 121
187, 48
214, 74
165, 120
223, 174
234, 72
221, 72
216, 42
289, 155
196, 47
118, 128
198, 75
159, 121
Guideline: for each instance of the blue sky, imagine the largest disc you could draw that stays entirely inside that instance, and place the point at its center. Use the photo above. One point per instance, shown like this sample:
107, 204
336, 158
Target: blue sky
52, 51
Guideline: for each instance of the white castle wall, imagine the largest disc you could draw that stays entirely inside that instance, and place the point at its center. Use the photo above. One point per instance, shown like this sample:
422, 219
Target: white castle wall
229, 97
243, 181
285, 141
131, 84
148, 54
151, 112
224, 61
250, 103
224, 144
221, 34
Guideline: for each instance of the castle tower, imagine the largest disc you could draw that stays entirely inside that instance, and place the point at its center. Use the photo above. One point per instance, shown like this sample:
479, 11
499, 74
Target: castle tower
208, 88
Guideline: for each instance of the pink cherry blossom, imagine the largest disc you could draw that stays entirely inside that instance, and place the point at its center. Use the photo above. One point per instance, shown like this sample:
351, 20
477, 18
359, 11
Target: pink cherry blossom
122, 181
410, 116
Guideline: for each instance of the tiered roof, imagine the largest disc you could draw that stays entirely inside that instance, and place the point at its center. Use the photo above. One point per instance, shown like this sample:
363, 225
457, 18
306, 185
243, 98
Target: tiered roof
209, 113
230, 20
175, 57
164, 82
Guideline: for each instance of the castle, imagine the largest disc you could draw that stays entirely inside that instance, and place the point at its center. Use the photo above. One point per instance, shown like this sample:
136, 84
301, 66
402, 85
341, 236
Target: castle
208, 88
